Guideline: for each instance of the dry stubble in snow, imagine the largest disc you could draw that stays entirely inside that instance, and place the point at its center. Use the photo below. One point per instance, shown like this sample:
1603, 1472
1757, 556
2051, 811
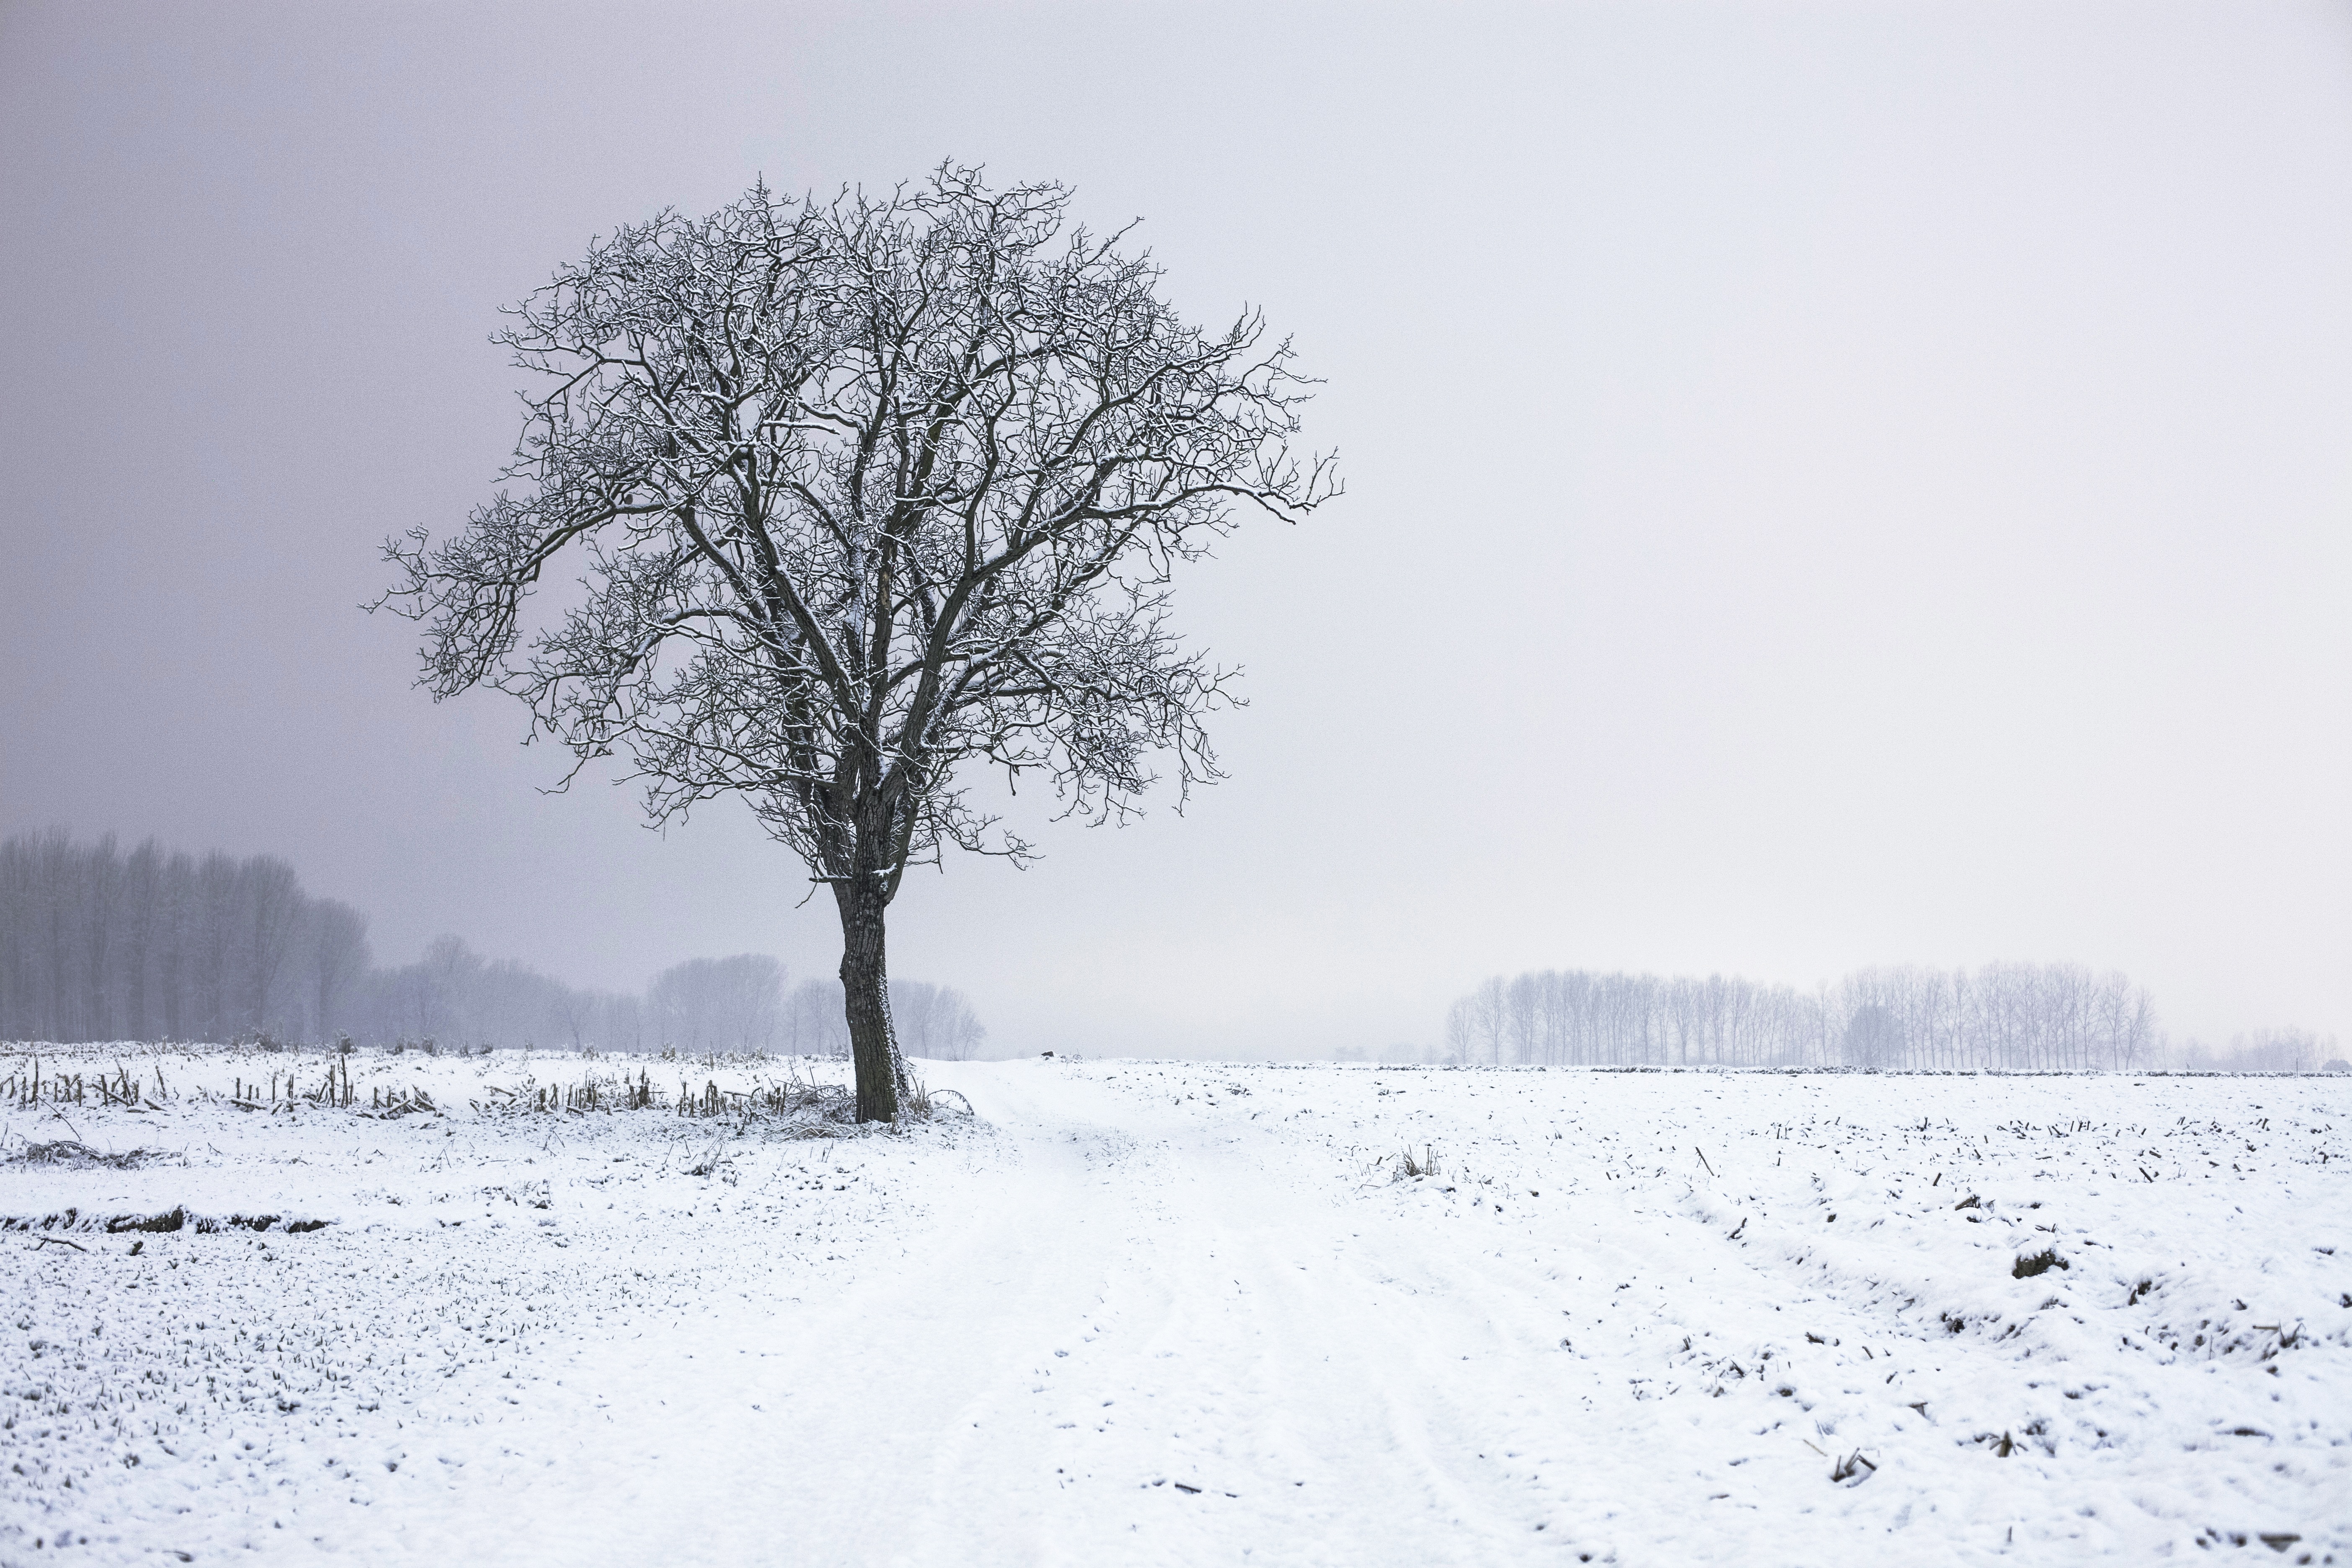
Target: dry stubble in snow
1170, 1312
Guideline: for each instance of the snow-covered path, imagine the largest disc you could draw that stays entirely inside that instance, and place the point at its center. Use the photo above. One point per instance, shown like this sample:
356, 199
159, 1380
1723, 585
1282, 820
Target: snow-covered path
1187, 1313
1124, 1337
1148, 1340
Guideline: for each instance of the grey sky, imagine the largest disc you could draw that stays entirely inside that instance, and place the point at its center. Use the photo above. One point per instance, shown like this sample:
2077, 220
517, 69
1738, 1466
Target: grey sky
1828, 484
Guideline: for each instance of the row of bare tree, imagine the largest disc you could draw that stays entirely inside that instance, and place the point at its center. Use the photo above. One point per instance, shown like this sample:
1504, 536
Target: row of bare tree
933, 1021
2015, 1017
739, 1004
156, 944
2264, 1050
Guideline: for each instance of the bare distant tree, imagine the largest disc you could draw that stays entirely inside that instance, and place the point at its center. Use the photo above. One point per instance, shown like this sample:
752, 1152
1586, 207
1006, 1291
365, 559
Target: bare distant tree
2003, 1015
438, 992
1683, 1001
175, 945
815, 1024
144, 911
270, 904
860, 492
719, 1003
573, 1016
622, 1023
339, 958
1873, 1036
1490, 1016
212, 915
100, 896
935, 1021
2127, 1018
1523, 1016
1461, 1031
506, 1002
2277, 1050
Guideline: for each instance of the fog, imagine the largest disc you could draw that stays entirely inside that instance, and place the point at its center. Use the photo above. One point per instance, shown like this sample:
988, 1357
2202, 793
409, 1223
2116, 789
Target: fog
1828, 488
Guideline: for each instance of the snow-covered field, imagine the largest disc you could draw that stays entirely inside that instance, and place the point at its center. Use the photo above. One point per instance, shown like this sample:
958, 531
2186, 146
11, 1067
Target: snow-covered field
1181, 1313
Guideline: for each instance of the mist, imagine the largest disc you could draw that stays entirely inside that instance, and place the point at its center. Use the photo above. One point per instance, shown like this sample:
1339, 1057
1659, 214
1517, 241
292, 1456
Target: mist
1826, 488
99, 944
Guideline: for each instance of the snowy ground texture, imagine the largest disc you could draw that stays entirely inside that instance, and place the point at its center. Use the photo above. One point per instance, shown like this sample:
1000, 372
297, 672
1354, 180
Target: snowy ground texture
1180, 1313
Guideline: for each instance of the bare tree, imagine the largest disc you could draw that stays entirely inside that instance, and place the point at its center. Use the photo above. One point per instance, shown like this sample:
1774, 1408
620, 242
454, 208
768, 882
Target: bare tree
101, 895
719, 1003
175, 945
860, 492
144, 913
935, 1021
1490, 1016
212, 915
438, 986
572, 1014
270, 905
1461, 1030
339, 959
2003, 1015
814, 1023
1873, 1036
1523, 1016
622, 1023
2275, 1050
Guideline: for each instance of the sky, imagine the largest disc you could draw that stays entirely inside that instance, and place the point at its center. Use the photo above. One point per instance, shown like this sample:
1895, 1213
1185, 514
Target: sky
1827, 484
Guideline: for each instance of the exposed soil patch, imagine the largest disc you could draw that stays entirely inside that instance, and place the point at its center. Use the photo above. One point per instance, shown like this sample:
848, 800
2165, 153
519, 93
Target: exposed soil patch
76, 1156
2041, 1262
168, 1220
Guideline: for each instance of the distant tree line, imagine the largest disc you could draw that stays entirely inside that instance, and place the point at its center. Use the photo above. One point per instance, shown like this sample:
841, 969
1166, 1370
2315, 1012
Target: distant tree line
2262, 1051
2010, 1017
157, 945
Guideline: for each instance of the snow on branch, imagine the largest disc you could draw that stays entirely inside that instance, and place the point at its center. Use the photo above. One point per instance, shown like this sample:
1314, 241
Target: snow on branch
857, 492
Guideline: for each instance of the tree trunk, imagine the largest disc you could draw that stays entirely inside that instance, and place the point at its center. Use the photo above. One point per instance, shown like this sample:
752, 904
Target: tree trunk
866, 996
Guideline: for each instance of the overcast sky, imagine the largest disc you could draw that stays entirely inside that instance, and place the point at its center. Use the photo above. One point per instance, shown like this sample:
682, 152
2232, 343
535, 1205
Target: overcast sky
1827, 484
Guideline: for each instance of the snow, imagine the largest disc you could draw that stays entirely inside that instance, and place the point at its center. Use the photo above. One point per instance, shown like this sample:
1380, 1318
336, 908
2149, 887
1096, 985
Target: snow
1182, 1313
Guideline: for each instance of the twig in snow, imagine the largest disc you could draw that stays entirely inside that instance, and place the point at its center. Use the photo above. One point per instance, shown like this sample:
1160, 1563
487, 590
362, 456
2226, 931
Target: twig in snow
58, 1241
1853, 1469
1702, 1160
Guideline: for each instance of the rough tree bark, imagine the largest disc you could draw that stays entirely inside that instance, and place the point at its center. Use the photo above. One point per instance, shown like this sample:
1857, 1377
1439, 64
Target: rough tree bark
866, 993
